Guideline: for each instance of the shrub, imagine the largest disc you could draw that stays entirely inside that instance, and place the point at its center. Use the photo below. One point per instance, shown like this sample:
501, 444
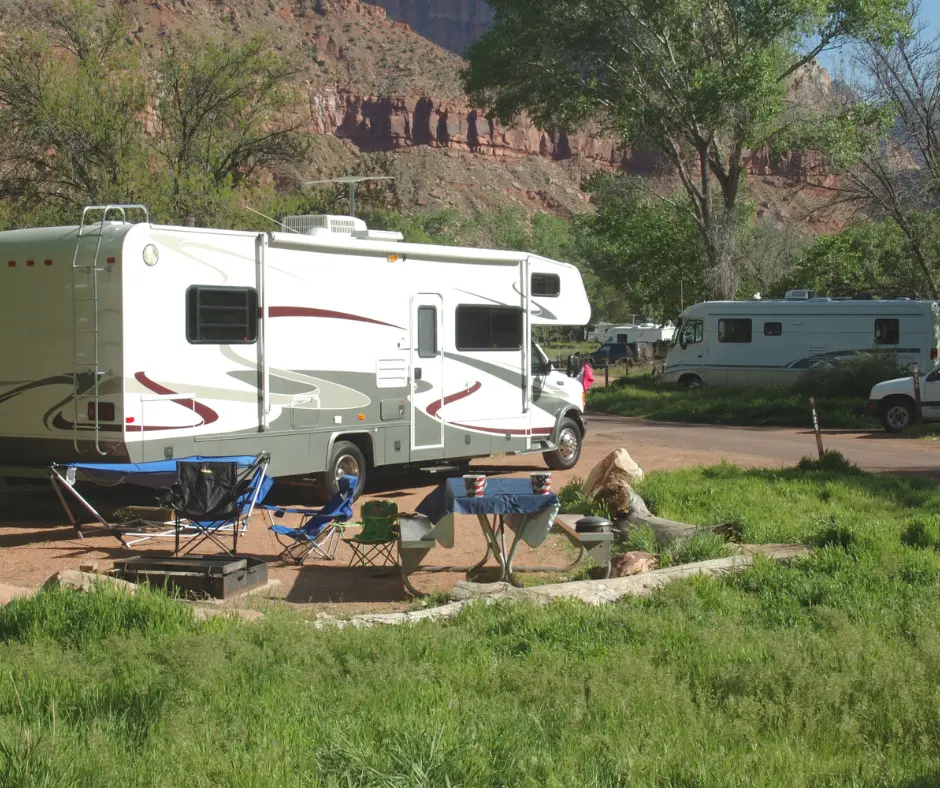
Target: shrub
830, 462
851, 378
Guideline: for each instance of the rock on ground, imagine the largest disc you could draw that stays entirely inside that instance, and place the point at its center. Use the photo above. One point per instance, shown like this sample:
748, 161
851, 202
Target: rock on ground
633, 563
201, 613
87, 581
611, 479
8, 593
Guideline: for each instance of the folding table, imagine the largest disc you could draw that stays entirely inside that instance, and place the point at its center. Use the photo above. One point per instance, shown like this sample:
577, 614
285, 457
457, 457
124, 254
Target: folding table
506, 503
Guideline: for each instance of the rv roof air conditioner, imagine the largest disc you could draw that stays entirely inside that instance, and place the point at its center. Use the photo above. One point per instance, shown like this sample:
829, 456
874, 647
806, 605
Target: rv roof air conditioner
341, 225
800, 295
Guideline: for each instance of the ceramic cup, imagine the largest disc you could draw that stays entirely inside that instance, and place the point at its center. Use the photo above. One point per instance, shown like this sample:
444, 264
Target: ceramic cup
541, 482
474, 484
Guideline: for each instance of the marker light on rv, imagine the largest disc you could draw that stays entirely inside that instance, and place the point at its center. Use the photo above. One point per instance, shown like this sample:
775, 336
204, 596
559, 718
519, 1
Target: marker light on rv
151, 255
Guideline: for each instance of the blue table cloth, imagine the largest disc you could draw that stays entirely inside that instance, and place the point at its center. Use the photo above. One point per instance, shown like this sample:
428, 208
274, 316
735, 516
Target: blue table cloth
530, 515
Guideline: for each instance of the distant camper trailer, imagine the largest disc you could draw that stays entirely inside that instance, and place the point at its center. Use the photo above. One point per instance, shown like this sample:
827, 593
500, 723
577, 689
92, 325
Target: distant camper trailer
773, 342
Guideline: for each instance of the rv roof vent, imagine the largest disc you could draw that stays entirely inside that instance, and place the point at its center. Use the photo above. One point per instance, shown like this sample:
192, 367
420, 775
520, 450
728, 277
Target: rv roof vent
343, 225
800, 295
378, 235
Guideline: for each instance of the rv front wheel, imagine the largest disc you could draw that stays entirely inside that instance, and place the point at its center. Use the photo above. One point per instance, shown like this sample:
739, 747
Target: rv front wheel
897, 413
569, 448
691, 382
345, 460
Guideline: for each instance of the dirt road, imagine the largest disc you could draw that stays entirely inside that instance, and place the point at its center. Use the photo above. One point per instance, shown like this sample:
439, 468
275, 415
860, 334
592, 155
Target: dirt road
35, 540
663, 445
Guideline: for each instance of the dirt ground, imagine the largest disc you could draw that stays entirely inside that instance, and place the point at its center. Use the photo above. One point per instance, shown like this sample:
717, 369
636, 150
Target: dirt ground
37, 541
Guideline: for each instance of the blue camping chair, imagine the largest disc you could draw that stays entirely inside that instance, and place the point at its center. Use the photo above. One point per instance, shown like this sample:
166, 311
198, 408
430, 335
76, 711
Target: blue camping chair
213, 496
319, 531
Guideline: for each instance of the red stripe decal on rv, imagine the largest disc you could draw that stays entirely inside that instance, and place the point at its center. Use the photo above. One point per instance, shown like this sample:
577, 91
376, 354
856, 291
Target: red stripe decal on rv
434, 407
304, 311
204, 412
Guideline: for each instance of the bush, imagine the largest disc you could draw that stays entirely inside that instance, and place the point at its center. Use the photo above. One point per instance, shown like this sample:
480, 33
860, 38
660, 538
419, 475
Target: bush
830, 462
851, 378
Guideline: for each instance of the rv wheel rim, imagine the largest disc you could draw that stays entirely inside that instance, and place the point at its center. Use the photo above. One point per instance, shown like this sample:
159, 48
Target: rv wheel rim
568, 444
346, 465
898, 416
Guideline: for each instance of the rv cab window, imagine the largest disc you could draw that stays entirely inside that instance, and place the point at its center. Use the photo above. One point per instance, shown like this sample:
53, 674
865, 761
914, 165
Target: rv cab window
488, 328
691, 333
546, 285
887, 332
427, 331
773, 329
734, 330
221, 315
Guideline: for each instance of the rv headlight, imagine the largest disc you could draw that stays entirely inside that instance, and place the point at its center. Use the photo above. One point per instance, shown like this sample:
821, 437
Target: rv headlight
151, 254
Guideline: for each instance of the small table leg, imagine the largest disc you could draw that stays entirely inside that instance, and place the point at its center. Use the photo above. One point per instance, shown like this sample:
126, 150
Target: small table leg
512, 553
492, 545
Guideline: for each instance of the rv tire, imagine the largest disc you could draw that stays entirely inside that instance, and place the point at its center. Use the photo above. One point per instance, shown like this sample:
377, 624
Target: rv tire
568, 453
345, 457
897, 413
691, 382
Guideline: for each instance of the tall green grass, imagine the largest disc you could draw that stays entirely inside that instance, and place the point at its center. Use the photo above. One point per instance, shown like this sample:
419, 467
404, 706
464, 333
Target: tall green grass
644, 397
822, 672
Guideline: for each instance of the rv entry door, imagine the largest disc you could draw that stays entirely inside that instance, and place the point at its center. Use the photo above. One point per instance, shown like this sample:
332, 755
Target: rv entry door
427, 374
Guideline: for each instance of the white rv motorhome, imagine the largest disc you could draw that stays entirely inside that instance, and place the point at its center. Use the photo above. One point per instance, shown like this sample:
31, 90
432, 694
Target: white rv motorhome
633, 333
334, 348
773, 342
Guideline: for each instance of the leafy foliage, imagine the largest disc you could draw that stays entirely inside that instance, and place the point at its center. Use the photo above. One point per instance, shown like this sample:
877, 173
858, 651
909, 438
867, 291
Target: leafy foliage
699, 81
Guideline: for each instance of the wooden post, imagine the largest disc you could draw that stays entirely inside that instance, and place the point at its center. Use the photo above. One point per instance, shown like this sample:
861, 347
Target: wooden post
607, 372
916, 370
819, 446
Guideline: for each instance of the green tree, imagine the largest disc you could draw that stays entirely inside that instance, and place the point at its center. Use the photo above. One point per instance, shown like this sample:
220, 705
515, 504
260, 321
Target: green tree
701, 81
71, 102
871, 257
646, 249
224, 111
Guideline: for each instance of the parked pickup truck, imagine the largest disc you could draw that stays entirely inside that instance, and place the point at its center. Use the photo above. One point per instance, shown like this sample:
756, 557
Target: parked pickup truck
892, 401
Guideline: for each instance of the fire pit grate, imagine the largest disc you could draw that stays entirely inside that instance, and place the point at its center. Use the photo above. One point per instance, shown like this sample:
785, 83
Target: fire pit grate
218, 577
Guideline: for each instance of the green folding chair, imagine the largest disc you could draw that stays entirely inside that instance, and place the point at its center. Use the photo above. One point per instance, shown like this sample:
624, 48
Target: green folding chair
378, 537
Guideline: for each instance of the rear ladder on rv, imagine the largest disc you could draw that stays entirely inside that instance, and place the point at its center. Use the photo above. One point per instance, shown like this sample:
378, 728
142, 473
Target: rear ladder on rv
86, 348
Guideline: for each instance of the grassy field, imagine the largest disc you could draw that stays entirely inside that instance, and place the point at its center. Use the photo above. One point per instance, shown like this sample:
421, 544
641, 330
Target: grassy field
823, 672
644, 397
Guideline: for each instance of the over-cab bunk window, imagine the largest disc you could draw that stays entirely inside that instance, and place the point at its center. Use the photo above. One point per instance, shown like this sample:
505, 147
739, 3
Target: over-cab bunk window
488, 328
221, 315
546, 285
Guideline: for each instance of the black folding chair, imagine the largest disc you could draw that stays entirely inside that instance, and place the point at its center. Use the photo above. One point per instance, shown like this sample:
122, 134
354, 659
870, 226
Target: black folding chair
211, 497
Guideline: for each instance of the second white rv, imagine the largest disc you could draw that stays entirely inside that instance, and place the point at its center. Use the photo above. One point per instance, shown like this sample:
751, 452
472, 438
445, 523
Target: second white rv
773, 342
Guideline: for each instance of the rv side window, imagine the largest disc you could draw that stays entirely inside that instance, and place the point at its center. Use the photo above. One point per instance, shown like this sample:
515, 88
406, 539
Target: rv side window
427, 331
546, 285
488, 328
221, 315
773, 329
621, 337
734, 330
887, 332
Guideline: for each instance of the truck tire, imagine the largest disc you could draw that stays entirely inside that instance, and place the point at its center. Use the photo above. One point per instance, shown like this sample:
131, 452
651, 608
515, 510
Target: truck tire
345, 458
691, 382
568, 453
897, 413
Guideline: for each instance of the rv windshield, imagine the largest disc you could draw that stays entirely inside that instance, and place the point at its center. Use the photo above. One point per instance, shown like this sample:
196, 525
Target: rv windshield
675, 336
540, 363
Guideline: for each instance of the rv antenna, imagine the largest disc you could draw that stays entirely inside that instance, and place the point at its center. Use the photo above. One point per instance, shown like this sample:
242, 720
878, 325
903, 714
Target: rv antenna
290, 229
352, 180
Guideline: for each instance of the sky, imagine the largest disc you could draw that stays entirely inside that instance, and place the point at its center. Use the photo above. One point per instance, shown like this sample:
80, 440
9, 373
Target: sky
929, 14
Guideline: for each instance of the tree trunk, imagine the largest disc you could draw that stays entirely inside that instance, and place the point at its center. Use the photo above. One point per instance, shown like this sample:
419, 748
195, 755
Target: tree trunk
668, 531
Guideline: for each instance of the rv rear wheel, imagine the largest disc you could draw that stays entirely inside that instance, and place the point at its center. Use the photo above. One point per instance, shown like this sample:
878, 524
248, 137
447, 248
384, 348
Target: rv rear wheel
569, 447
897, 413
345, 460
